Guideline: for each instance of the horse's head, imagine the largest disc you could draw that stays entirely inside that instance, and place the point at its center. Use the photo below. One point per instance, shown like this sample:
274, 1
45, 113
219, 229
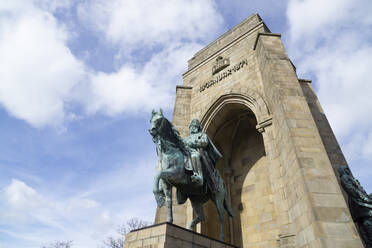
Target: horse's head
156, 121
162, 129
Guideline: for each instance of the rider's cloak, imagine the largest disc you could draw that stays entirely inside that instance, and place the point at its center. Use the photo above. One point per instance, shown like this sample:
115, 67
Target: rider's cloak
209, 158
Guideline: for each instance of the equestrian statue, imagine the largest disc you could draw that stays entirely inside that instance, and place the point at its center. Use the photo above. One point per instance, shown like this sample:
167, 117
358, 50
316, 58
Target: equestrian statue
188, 164
360, 204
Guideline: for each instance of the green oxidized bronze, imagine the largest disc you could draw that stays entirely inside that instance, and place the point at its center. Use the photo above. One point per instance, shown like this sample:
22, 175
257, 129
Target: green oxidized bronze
202, 152
360, 204
189, 165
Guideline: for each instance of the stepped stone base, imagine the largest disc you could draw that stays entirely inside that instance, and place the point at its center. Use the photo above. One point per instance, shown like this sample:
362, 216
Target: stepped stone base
166, 235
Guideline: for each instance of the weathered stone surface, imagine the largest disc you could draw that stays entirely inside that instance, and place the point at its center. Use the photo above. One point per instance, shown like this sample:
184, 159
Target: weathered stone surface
166, 235
280, 156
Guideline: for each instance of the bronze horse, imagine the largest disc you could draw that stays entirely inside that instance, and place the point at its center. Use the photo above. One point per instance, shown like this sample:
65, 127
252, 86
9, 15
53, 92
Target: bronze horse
173, 155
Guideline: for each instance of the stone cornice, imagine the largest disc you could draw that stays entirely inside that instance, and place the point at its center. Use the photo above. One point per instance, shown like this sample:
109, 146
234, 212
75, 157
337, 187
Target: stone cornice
304, 80
265, 34
184, 87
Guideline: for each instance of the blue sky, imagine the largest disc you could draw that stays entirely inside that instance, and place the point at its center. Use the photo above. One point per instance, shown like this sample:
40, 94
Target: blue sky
78, 80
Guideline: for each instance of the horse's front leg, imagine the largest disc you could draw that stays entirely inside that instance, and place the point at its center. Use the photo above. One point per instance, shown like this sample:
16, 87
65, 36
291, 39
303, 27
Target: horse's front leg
156, 182
168, 195
159, 197
156, 187
164, 174
168, 174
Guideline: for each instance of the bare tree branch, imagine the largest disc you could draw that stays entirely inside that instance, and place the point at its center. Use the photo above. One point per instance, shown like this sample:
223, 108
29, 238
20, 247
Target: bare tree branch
135, 223
59, 244
118, 241
112, 242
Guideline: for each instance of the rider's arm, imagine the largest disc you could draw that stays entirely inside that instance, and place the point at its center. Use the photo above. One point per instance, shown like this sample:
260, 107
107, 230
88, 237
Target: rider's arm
201, 141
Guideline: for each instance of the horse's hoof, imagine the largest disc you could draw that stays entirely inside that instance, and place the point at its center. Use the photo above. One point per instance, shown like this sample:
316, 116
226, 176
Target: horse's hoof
159, 199
160, 202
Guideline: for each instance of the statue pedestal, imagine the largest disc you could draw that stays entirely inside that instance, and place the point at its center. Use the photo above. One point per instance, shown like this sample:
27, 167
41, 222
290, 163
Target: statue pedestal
166, 235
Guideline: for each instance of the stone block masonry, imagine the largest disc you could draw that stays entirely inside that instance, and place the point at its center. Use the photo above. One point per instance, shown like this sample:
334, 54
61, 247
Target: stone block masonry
280, 156
166, 235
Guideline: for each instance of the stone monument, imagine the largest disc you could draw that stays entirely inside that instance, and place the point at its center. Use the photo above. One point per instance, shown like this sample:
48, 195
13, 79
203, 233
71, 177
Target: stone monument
280, 158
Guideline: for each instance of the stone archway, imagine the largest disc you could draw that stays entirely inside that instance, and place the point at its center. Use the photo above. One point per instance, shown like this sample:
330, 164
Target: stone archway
235, 122
249, 98
295, 155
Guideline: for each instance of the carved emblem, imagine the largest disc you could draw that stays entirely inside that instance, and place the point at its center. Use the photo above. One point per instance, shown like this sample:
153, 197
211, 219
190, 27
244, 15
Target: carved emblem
220, 64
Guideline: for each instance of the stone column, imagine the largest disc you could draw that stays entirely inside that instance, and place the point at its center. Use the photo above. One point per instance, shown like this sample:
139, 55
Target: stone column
317, 211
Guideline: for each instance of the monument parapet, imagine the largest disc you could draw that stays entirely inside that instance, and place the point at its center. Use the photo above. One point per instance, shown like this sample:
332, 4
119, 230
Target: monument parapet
167, 235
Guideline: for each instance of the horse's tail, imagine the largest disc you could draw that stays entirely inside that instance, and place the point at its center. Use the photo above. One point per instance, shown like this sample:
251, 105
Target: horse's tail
227, 206
222, 188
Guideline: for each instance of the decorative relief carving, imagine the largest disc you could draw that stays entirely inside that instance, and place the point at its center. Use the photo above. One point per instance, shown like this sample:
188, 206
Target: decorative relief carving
220, 64
223, 75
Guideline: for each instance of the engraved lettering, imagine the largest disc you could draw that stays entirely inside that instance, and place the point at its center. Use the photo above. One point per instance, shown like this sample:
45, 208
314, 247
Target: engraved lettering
221, 64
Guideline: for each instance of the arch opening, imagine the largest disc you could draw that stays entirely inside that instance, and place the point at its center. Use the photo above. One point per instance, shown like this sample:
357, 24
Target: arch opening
244, 168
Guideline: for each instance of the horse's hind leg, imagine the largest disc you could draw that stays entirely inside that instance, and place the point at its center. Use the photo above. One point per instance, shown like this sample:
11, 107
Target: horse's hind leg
168, 197
221, 212
198, 208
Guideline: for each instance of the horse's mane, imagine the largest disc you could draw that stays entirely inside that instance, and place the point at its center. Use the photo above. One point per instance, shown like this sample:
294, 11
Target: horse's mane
174, 137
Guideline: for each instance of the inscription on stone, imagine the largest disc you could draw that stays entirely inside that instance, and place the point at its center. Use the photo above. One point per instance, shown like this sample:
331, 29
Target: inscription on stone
224, 74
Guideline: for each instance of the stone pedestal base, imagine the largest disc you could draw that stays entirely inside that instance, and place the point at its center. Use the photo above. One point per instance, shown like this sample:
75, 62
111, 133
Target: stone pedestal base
166, 235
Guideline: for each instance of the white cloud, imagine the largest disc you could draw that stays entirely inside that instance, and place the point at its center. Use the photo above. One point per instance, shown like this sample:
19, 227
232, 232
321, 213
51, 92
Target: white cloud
175, 28
342, 74
38, 215
169, 32
330, 43
367, 148
134, 89
38, 71
338, 54
149, 22
33, 218
359, 147
42, 78
310, 16
21, 196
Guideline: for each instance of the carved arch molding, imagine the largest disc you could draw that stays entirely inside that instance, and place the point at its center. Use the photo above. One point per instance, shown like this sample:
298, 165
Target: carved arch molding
249, 98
